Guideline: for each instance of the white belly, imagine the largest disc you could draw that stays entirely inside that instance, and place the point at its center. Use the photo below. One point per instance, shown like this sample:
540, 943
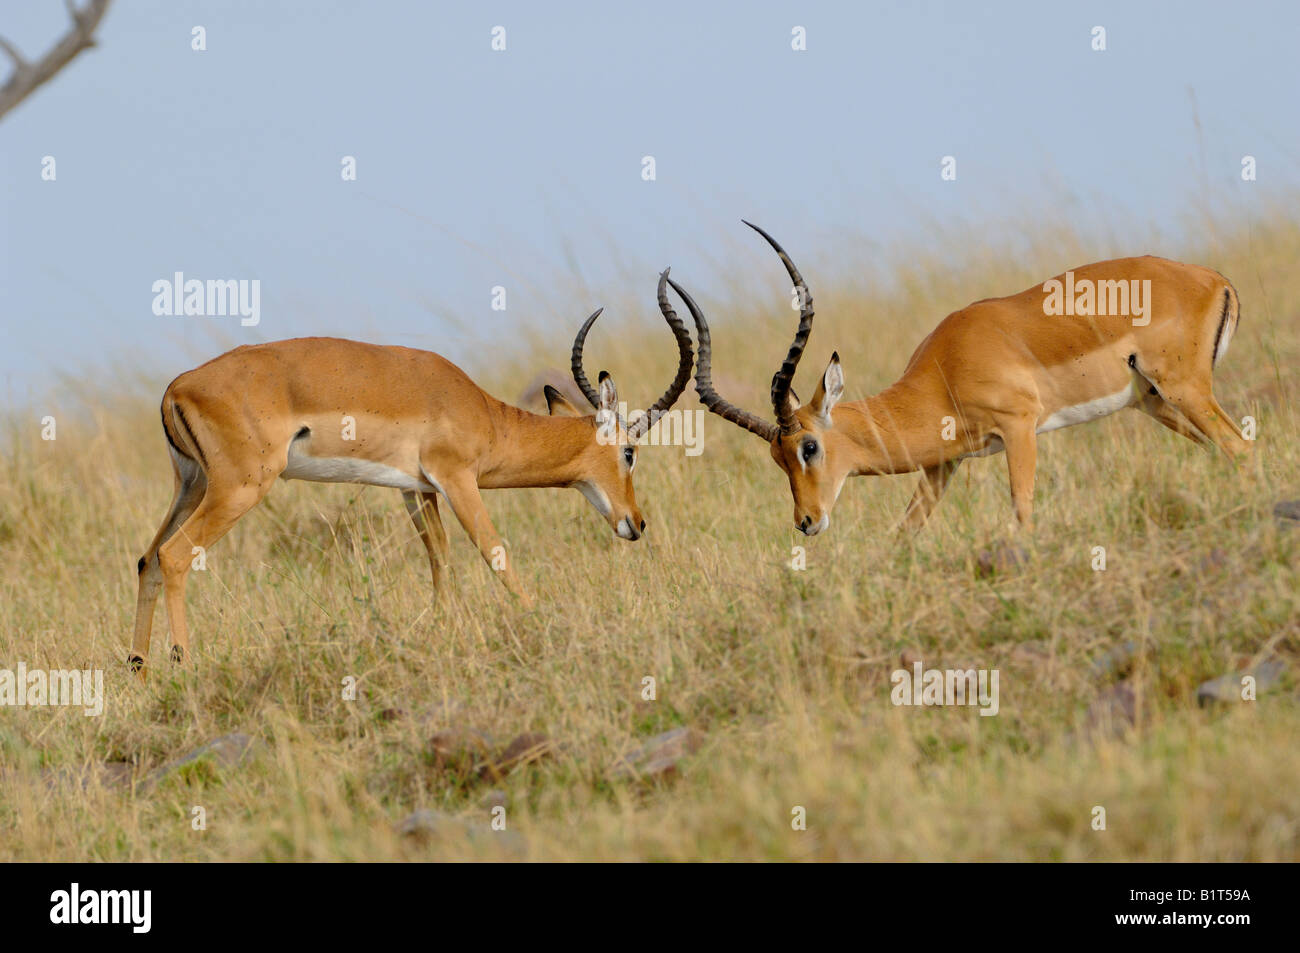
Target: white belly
1069, 416
1089, 410
350, 470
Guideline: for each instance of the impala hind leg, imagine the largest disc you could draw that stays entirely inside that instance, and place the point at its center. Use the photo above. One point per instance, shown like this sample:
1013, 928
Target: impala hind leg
1190, 391
1198, 405
190, 487
222, 505
423, 508
934, 481
467, 504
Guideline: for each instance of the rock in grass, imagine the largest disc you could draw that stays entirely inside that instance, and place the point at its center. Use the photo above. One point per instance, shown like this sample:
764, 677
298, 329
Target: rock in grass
1114, 712
1231, 688
658, 757
109, 774
425, 821
1000, 560
1031, 653
226, 751
467, 752
114, 774
460, 750
1287, 514
527, 748
1216, 558
425, 824
1117, 661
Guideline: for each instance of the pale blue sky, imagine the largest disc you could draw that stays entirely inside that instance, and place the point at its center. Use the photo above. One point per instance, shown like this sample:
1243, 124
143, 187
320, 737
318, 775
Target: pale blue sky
523, 168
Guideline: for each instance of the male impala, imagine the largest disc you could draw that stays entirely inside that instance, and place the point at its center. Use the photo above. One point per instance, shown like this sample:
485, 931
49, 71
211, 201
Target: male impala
336, 411
994, 375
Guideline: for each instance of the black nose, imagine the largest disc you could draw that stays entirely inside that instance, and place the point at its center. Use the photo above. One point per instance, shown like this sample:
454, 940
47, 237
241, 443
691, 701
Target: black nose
805, 523
643, 526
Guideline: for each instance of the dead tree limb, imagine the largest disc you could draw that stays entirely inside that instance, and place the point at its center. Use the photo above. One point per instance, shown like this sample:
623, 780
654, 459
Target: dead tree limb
27, 76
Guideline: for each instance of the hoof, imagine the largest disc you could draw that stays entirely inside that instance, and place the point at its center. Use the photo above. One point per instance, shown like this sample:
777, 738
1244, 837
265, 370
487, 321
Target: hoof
178, 654
136, 663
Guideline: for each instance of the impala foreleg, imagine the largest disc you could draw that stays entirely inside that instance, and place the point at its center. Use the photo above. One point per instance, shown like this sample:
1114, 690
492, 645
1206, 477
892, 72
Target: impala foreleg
467, 504
1022, 460
934, 481
423, 508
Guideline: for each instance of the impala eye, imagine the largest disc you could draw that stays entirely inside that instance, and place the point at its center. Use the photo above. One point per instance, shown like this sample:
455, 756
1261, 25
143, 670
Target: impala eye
808, 450
629, 457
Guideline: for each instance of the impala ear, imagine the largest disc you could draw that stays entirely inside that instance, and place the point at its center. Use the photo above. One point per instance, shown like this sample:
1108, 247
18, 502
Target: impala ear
557, 405
829, 391
608, 393
607, 419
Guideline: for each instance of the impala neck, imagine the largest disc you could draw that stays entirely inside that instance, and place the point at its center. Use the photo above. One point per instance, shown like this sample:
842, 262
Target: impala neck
896, 431
531, 450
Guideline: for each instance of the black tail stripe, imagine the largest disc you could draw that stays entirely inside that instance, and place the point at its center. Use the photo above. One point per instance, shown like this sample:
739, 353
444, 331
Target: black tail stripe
189, 432
167, 431
1223, 323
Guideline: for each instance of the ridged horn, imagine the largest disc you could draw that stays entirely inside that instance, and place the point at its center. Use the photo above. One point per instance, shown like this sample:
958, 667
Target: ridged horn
709, 397
784, 377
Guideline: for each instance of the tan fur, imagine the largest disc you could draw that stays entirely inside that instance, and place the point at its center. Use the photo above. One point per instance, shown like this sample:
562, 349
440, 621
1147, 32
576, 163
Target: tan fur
420, 424
1002, 368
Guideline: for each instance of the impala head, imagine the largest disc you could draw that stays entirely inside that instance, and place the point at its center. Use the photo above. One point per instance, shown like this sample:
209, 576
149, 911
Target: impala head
608, 457
804, 442
814, 456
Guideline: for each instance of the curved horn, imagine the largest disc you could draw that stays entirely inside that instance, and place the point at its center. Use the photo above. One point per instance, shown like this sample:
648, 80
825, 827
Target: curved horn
684, 361
704, 371
783, 378
579, 377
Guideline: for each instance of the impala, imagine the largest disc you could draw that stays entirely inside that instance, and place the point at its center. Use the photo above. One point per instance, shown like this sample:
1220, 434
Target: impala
336, 411
994, 375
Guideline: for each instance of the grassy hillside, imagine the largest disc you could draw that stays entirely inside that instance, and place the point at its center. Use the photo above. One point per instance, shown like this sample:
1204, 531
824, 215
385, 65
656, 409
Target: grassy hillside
781, 677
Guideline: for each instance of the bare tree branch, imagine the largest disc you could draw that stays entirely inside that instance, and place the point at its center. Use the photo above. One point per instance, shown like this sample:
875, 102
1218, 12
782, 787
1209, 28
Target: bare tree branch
27, 76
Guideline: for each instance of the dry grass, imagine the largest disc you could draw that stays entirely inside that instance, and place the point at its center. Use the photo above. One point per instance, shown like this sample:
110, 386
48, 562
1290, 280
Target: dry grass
785, 675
